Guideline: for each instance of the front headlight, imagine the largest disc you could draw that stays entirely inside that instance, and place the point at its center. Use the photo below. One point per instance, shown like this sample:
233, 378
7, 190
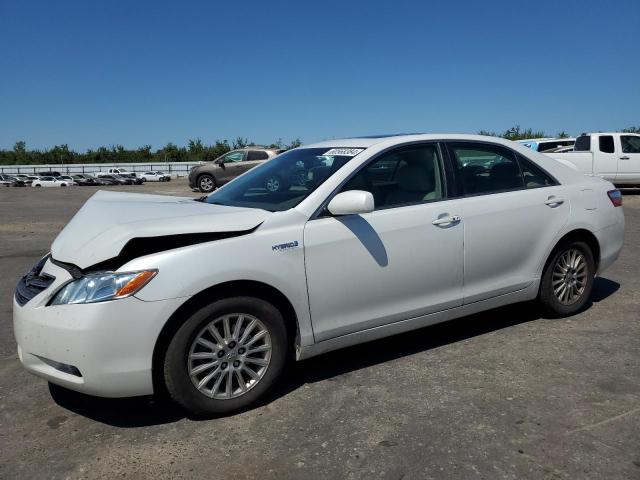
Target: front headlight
101, 287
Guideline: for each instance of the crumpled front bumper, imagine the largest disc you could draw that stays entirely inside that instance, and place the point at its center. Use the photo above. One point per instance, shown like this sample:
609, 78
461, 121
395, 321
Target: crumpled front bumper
103, 349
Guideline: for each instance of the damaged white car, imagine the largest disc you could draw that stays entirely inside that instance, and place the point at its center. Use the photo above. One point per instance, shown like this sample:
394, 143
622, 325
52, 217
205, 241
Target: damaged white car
208, 299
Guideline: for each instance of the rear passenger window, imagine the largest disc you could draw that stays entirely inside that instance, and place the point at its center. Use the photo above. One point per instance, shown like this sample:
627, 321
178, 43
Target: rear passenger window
486, 168
402, 177
534, 176
630, 144
257, 155
606, 144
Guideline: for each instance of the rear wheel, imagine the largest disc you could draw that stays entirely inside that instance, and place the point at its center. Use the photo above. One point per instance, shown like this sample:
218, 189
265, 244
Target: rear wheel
226, 356
206, 183
568, 279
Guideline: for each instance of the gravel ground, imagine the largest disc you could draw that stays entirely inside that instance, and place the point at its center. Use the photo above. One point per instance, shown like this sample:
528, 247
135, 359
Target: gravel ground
503, 394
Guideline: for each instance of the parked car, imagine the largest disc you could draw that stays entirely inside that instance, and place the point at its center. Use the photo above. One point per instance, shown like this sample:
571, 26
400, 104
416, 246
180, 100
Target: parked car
560, 150
119, 171
110, 180
49, 174
388, 235
118, 179
67, 178
23, 178
85, 180
48, 181
11, 181
612, 156
211, 175
155, 177
547, 144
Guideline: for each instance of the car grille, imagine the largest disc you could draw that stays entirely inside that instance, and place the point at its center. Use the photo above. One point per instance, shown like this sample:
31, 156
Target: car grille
33, 283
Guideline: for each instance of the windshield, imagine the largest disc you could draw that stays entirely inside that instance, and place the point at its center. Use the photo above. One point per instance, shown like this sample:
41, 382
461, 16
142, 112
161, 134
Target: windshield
282, 183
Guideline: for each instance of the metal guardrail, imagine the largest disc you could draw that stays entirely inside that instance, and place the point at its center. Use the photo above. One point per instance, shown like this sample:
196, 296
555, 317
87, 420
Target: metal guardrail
171, 168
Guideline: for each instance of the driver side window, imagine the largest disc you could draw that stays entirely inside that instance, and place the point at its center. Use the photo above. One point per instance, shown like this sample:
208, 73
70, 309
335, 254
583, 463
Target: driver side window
402, 177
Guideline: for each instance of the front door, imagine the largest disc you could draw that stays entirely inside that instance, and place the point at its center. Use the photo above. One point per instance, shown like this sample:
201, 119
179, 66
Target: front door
401, 261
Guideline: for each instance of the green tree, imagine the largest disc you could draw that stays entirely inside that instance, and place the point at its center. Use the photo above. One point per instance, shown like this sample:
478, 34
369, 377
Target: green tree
294, 143
240, 143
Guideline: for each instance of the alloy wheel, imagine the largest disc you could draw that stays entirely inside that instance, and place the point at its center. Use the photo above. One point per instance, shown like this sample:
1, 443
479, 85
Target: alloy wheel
206, 184
569, 278
229, 356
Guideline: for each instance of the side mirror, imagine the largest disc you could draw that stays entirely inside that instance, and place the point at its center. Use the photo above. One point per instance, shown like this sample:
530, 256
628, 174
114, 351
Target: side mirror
352, 202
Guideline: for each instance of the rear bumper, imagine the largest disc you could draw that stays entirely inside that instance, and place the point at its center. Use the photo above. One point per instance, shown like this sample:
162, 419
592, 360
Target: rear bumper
611, 240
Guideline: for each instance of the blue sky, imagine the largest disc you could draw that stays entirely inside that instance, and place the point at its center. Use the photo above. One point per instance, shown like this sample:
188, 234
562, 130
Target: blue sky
90, 73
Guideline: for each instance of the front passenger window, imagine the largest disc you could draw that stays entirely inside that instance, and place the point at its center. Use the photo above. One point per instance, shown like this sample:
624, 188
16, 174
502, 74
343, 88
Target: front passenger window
402, 177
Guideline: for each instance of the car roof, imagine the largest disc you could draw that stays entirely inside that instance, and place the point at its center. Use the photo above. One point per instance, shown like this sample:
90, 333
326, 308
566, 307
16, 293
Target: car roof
368, 141
610, 133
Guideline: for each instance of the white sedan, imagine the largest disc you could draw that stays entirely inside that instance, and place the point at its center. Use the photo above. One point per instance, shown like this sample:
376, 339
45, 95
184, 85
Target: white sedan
52, 182
209, 298
155, 177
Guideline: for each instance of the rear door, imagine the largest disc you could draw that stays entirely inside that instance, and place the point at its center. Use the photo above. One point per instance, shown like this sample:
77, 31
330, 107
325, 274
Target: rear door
511, 211
605, 157
629, 161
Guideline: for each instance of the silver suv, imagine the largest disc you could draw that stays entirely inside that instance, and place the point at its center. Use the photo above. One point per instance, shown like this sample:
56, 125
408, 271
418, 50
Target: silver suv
211, 175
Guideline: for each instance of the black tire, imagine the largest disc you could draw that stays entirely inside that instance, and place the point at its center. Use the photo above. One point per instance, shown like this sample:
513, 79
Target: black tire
206, 183
176, 374
550, 302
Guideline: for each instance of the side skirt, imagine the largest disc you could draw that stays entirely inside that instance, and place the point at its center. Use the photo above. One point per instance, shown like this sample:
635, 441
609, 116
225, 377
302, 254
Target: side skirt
304, 352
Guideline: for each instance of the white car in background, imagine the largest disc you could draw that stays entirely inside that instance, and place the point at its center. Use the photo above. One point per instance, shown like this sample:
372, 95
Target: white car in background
210, 298
155, 177
51, 182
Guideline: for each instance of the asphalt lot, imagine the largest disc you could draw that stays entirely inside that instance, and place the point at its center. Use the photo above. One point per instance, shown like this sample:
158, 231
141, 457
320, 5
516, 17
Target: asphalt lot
503, 394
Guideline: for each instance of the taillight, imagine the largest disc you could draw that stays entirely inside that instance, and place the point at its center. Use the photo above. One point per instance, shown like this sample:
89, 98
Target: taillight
616, 197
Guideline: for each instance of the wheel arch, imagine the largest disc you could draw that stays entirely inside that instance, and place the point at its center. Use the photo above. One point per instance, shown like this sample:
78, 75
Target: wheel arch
236, 288
581, 234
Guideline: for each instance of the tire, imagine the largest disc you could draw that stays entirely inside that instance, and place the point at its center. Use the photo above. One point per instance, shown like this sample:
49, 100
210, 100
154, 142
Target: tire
564, 278
213, 396
206, 183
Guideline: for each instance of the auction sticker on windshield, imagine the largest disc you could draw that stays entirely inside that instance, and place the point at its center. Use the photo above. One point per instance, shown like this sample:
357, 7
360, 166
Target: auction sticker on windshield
346, 152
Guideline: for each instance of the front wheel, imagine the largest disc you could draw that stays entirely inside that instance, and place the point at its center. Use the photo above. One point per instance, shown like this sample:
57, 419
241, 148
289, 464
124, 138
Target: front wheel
226, 356
568, 279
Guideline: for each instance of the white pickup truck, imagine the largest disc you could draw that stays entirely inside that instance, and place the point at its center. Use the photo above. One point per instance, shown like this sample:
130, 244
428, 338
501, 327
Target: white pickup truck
613, 156
116, 171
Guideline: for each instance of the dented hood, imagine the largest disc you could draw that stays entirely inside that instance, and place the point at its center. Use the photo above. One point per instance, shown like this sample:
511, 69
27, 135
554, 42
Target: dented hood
108, 220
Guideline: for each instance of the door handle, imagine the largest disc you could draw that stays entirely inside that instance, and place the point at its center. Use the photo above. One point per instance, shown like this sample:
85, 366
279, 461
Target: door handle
624, 158
447, 220
553, 201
